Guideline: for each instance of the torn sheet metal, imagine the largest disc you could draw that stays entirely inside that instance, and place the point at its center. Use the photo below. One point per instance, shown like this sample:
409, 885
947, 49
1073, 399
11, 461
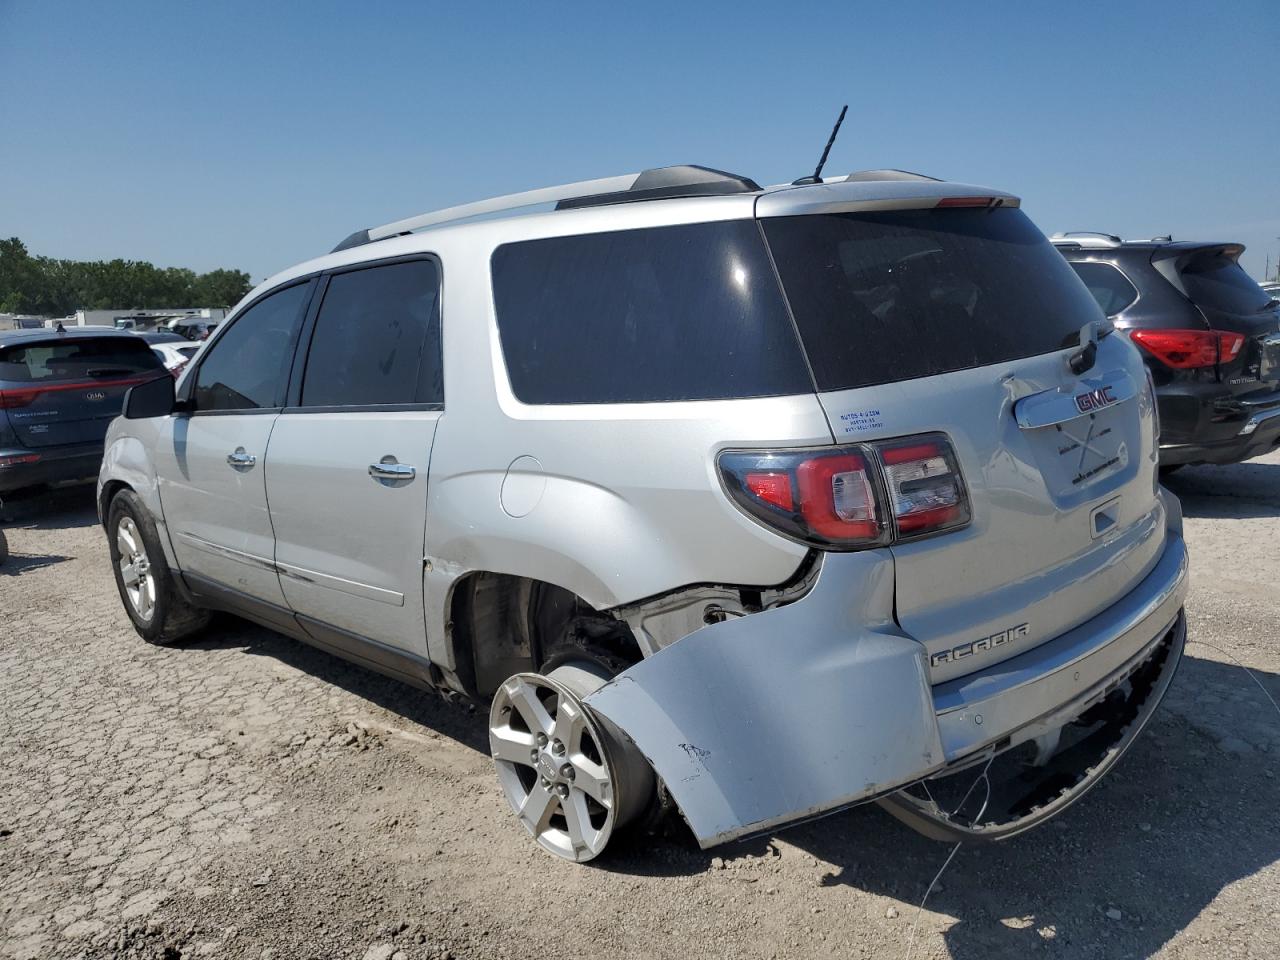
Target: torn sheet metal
785, 714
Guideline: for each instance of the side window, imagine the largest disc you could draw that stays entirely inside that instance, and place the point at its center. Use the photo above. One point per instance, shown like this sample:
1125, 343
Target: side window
1109, 286
690, 312
248, 367
377, 338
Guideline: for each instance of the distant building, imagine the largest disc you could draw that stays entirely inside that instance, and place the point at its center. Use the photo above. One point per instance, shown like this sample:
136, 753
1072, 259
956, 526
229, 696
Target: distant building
20, 321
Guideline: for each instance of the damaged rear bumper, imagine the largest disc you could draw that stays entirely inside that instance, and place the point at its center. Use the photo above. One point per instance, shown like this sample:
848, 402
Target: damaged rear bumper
798, 711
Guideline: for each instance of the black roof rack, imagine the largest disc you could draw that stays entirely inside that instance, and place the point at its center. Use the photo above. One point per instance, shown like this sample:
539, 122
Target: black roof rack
664, 183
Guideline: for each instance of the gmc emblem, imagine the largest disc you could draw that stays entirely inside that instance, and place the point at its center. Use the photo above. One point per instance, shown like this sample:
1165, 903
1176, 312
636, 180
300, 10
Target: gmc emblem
1095, 399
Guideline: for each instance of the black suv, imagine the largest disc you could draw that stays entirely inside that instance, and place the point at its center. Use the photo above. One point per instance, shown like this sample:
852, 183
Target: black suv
1209, 335
58, 392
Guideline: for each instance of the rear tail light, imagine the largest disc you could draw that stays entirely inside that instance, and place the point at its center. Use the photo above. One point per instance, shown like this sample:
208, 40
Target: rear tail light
851, 498
13, 399
1190, 349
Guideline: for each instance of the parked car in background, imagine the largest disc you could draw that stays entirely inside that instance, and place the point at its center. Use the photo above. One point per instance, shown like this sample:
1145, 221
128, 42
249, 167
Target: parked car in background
58, 393
190, 329
1210, 336
1271, 288
783, 498
175, 352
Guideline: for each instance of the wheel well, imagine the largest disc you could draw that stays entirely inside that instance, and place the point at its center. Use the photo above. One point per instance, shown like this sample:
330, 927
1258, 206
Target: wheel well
109, 491
502, 624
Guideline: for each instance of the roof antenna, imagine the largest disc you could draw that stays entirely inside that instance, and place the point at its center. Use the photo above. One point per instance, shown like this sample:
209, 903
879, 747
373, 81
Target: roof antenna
817, 171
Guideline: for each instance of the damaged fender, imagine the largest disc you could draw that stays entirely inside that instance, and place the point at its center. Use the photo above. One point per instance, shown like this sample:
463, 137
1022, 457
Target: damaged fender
788, 713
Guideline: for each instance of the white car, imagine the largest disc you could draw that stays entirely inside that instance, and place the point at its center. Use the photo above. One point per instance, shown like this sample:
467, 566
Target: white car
761, 501
175, 356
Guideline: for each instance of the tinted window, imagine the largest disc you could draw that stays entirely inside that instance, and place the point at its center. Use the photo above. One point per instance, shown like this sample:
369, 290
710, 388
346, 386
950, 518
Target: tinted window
672, 313
1109, 286
890, 296
1220, 284
76, 358
377, 338
248, 367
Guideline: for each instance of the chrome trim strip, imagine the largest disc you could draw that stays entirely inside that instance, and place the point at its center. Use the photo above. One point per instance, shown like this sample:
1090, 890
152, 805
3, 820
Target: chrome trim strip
351, 587
217, 549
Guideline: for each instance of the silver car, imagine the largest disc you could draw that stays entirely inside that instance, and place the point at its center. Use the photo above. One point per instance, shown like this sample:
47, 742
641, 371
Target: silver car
751, 503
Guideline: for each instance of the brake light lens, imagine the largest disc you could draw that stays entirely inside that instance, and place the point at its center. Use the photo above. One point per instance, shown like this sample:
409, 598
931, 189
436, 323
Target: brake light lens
13, 399
1190, 349
854, 497
926, 491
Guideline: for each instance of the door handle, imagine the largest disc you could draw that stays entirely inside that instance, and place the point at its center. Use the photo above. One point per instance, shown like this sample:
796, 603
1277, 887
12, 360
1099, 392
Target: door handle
241, 459
388, 469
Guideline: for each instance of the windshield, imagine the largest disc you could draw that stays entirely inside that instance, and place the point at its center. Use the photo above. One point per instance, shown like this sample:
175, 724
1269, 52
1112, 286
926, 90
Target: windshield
895, 295
1218, 283
76, 358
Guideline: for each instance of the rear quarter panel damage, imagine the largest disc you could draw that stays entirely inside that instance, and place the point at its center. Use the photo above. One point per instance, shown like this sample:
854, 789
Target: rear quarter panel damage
788, 713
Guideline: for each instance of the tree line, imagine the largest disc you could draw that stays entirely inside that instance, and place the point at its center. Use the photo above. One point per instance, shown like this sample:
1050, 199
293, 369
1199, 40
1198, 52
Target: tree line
57, 288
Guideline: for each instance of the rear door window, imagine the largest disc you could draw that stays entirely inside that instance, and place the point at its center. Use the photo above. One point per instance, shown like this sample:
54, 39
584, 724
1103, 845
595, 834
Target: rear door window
1109, 286
247, 368
377, 338
76, 358
894, 295
689, 312
1219, 283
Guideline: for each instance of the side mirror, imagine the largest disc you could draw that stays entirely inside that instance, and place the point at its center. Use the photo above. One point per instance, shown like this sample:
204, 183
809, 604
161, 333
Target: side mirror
155, 398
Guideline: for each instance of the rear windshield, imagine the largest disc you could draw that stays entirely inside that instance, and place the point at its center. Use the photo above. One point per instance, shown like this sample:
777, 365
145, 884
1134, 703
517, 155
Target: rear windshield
689, 312
77, 358
1219, 283
895, 295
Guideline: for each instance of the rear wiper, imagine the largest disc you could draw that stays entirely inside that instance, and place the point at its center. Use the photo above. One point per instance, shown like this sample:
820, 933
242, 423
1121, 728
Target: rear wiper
1083, 359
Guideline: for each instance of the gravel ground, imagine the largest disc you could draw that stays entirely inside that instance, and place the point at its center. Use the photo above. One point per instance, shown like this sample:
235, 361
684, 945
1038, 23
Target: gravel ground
246, 796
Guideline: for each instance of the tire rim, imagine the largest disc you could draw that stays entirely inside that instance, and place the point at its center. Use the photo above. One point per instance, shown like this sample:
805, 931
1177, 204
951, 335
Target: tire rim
554, 766
135, 569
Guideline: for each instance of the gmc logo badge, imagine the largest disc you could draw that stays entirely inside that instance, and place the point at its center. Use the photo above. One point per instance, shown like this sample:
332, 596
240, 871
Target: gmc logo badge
1095, 399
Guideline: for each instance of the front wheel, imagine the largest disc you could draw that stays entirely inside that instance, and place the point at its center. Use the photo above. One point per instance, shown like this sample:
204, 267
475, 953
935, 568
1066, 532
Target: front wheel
157, 611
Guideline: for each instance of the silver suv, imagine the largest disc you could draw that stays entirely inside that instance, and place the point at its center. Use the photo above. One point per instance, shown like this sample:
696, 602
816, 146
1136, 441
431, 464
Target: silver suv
751, 503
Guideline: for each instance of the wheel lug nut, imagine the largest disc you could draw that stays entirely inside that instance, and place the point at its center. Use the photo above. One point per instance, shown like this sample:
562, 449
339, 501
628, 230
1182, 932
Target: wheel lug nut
541, 739
557, 748
533, 757
567, 772
546, 783
562, 790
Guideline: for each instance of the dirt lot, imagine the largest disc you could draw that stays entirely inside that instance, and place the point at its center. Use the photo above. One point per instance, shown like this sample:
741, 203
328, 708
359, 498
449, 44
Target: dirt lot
246, 796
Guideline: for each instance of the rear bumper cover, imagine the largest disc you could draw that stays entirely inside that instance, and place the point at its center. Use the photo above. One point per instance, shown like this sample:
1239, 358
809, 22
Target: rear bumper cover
54, 465
1229, 429
801, 710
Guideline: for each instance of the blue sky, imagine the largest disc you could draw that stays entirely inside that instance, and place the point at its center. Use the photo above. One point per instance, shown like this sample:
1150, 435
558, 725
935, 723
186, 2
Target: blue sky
255, 135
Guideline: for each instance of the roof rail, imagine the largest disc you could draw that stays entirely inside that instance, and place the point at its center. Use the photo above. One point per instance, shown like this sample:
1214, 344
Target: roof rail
1087, 239
887, 175
678, 181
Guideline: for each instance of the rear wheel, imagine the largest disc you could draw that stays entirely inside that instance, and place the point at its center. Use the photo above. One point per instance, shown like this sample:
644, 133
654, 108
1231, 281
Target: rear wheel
570, 776
150, 598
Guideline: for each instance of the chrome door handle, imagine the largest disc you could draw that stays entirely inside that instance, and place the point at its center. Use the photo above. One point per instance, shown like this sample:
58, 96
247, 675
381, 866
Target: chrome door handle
241, 459
388, 469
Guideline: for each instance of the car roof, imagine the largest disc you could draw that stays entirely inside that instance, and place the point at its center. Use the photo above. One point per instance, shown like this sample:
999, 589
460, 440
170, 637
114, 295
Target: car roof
487, 224
10, 337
